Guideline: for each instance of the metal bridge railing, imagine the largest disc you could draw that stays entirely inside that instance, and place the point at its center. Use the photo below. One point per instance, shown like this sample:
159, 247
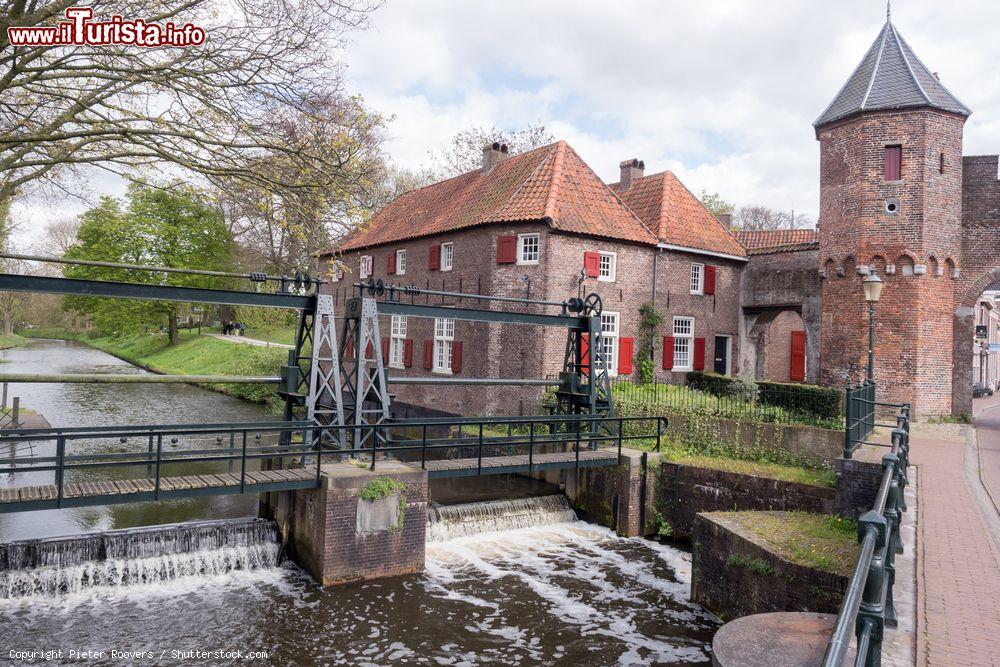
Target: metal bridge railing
868, 606
510, 436
859, 408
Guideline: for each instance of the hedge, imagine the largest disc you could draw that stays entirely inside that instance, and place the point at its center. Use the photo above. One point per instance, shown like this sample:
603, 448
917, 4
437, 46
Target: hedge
823, 402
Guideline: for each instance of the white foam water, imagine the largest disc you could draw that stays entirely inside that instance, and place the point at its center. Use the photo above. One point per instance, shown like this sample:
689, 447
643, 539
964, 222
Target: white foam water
448, 522
135, 557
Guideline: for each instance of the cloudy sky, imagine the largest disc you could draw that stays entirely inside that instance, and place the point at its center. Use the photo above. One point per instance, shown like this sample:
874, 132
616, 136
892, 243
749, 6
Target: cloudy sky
722, 92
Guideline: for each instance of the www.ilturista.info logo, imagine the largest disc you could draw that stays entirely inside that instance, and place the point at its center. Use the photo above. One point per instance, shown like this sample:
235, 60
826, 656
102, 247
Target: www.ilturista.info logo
79, 30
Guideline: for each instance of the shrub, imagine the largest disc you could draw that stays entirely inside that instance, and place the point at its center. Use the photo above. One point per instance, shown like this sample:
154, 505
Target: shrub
822, 402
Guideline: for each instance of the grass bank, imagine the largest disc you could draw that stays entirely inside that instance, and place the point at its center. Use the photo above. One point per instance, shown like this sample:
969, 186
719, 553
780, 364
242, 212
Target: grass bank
828, 543
13, 340
194, 355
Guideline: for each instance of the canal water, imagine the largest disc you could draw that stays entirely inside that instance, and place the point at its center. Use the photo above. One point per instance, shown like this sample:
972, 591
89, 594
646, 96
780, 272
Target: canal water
538, 587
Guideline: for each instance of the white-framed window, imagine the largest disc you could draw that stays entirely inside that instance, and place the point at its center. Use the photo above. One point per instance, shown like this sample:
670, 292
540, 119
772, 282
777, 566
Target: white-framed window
609, 341
447, 256
697, 278
683, 343
444, 336
365, 270
608, 267
397, 341
527, 248
400, 263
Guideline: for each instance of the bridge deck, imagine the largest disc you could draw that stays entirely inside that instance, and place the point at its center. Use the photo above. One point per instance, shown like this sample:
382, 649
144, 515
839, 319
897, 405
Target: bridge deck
77, 494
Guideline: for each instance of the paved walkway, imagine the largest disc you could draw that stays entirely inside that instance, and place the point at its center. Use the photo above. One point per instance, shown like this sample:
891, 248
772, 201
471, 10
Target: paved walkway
243, 340
958, 575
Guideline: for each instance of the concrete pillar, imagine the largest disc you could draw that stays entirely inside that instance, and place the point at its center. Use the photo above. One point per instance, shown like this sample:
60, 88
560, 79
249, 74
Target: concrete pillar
613, 495
338, 536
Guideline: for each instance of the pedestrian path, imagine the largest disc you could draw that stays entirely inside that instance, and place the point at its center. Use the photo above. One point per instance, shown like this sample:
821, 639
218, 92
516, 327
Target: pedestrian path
243, 340
958, 572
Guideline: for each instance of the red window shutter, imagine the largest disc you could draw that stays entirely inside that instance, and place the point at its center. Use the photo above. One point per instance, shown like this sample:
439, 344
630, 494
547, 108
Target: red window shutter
668, 352
408, 352
456, 357
699, 354
797, 365
592, 262
385, 350
428, 354
435, 257
390, 267
709, 279
893, 162
506, 249
585, 353
626, 348
369, 351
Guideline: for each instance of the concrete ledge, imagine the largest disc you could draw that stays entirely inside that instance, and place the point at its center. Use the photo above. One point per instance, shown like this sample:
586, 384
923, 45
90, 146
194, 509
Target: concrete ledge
780, 639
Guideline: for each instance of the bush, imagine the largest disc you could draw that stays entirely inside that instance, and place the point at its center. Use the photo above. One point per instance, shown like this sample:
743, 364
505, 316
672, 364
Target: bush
823, 402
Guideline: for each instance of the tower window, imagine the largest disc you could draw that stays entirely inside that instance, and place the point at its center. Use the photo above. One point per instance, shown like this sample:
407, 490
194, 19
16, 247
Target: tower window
893, 162
941, 165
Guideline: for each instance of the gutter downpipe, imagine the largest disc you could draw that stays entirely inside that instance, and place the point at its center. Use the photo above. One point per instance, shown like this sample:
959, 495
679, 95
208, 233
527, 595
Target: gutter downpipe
660, 247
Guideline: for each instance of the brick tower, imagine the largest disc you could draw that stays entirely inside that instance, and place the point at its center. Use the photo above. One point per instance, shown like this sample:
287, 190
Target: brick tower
891, 202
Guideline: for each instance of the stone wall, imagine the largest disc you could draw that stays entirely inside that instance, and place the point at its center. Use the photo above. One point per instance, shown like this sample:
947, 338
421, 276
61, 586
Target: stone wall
682, 491
339, 537
735, 574
857, 485
819, 446
612, 496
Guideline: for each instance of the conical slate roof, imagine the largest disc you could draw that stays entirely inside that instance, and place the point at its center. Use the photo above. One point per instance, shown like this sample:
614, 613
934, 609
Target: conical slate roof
890, 76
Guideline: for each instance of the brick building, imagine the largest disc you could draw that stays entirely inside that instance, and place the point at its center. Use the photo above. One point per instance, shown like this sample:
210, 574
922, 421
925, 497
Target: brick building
986, 343
542, 225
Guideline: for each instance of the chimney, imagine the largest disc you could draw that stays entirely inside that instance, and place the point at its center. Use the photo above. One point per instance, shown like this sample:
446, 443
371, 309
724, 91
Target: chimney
494, 154
630, 169
726, 219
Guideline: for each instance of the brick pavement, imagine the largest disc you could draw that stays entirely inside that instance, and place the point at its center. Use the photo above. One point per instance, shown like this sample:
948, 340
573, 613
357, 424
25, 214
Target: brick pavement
958, 576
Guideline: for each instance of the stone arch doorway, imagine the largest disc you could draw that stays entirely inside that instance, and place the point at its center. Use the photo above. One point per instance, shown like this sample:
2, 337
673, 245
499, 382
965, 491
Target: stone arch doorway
968, 348
771, 335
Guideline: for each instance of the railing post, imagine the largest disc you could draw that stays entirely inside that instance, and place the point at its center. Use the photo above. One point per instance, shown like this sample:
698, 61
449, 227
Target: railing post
243, 464
149, 457
848, 414
577, 445
319, 457
872, 609
374, 433
479, 464
621, 429
531, 445
232, 449
60, 471
423, 446
159, 458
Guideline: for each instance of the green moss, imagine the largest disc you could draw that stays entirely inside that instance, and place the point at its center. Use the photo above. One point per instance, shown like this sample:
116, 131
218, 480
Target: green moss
819, 541
383, 487
663, 527
750, 564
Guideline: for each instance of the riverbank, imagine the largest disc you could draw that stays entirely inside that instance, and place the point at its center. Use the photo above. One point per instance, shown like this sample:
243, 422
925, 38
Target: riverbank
13, 340
193, 355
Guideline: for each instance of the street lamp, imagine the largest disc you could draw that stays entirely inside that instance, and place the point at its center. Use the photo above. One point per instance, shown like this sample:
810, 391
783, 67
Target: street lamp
873, 291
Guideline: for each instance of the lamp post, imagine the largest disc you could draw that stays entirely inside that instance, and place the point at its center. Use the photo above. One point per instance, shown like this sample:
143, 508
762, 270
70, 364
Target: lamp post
873, 291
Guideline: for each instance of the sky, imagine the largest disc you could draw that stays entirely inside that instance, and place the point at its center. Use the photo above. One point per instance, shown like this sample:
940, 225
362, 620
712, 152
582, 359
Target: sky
721, 92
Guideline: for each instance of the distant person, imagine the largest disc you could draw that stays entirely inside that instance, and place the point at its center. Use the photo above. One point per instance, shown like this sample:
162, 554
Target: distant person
241, 328
226, 328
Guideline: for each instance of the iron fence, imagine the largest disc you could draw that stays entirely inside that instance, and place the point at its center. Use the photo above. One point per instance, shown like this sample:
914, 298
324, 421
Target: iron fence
868, 606
859, 421
780, 405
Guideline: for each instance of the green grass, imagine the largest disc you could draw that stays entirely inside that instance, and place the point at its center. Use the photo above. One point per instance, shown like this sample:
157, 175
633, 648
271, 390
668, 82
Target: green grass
7, 342
280, 335
824, 542
666, 398
744, 463
193, 355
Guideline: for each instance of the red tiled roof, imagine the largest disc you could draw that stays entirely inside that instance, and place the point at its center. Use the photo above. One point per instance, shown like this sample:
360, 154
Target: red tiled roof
664, 204
779, 240
551, 184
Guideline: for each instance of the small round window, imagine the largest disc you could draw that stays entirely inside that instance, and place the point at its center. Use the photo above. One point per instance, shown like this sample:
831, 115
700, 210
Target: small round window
892, 206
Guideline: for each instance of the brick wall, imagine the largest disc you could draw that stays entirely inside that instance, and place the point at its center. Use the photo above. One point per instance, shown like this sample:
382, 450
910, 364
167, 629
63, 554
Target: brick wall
519, 351
915, 318
722, 583
858, 482
779, 345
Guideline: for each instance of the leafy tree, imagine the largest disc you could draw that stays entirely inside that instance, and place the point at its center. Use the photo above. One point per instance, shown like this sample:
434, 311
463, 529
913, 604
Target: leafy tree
465, 150
714, 202
175, 228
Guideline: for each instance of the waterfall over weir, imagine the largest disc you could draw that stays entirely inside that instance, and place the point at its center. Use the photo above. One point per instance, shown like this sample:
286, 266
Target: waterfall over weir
446, 522
62, 565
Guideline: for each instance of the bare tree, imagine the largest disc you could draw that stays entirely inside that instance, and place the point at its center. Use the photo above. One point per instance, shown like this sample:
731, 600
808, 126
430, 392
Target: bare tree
213, 109
762, 218
465, 150
59, 236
